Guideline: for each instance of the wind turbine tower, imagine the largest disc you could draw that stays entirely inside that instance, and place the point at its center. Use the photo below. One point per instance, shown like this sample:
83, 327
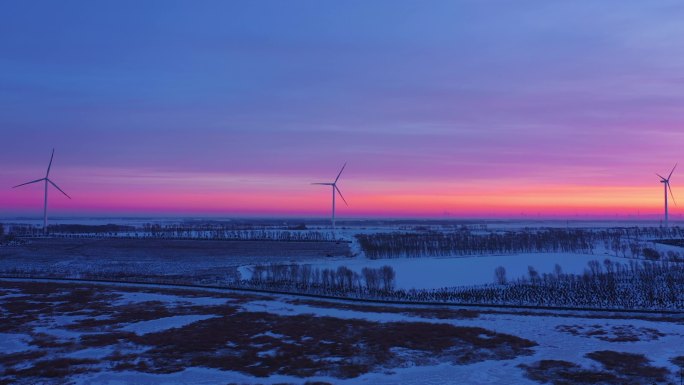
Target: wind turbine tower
335, 191
46, 180
666, 186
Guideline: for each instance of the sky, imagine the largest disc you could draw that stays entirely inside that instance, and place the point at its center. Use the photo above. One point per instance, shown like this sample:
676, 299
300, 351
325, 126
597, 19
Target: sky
440, 108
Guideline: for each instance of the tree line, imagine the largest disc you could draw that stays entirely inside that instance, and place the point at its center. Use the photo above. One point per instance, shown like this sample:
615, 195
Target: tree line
305, 278
184, 232
607, 285
621, 241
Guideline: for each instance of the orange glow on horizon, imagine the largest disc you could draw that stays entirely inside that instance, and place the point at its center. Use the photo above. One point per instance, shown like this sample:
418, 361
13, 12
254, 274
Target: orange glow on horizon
471, 201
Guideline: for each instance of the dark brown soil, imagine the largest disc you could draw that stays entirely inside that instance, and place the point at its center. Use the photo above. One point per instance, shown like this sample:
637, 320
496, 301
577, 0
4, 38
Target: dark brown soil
618, 369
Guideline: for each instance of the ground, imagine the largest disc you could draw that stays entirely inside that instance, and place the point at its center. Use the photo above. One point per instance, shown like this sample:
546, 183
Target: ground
57, 333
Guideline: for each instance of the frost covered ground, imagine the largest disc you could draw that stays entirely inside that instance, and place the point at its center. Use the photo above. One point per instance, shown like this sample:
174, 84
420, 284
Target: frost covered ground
54, 333
440, 272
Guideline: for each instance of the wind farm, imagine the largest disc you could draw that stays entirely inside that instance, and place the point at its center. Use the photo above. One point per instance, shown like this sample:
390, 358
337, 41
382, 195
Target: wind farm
498, 158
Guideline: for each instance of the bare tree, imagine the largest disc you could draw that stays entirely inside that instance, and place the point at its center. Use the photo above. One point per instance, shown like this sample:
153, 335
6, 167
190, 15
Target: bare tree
557, 270
500, 275
371, 278
532, 272
387, 273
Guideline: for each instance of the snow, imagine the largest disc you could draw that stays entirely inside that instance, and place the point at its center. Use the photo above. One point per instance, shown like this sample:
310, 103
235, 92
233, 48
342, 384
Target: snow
189, 376
554, 343
91, 353
423, 273
443, 374
160, 324
54, 326
487, 372
127, 297
439, 272
13, 343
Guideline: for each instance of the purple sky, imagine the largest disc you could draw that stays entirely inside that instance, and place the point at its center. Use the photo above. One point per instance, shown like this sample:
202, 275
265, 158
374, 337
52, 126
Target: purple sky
428, 102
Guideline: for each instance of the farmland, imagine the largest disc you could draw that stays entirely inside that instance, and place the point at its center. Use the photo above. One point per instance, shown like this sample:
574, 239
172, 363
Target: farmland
84, 333
423, 305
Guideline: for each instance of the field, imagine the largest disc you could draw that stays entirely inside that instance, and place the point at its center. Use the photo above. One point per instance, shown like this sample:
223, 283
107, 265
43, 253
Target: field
573, 305
202, 260
49, 250
97, 334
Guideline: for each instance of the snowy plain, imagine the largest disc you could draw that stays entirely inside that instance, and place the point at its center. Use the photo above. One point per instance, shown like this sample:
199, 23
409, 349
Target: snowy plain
111, 338
441, 272
566, 336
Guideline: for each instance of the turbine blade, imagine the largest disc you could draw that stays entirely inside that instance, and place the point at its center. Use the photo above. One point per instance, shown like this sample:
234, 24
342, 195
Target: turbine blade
660, 176
341, 196
673, 168
50, 165
57, 187
671, 194
33, 181
338, 175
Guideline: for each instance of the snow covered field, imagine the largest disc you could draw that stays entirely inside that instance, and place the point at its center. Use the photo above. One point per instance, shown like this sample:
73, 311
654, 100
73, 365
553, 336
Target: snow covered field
435, 273
98, 334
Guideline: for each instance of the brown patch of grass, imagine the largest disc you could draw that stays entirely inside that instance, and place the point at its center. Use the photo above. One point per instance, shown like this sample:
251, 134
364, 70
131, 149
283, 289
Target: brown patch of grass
618, 369
631, 365
565, 373
46, 341
124, 314
236, 342
105, 339
619, 333
301, 345
679, 361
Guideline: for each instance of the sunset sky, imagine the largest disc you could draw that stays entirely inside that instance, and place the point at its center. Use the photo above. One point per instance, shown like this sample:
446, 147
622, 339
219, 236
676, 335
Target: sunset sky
441, 108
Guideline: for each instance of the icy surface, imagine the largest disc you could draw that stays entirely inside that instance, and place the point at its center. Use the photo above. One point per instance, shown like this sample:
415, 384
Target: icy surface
132, 297
435, 273
12, 343
157, 325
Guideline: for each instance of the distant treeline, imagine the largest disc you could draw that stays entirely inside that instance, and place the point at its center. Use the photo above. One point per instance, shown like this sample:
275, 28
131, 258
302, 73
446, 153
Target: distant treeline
467, 242
94, 229
230, 232
108, 229
177, 231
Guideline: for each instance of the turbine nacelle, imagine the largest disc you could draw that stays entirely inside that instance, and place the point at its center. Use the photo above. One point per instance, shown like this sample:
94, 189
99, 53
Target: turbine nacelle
334, 184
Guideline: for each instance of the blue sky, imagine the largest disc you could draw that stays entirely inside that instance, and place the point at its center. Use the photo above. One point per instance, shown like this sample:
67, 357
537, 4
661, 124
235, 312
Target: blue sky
425, 99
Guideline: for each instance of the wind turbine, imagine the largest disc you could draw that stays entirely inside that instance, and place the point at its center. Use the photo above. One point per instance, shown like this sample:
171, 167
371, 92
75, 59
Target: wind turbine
335, 188
666, 185
47, 180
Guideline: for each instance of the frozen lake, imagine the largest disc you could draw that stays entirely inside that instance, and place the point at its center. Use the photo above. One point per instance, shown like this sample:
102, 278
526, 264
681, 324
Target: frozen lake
434, 273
